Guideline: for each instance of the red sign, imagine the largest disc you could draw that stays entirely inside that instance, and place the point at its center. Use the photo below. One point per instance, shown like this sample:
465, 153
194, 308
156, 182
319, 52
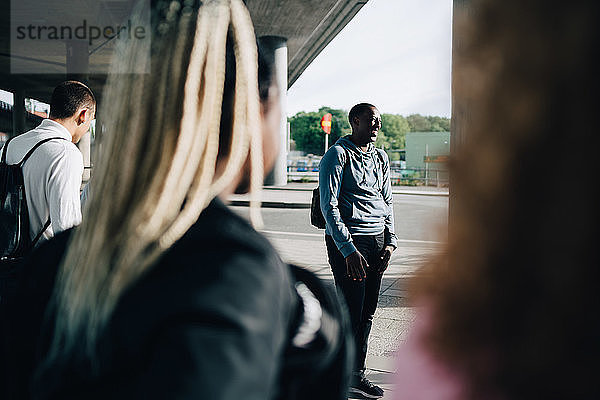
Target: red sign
326, 123
435, 159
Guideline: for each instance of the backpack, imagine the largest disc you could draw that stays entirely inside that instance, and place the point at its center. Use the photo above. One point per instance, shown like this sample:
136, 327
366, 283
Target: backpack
316, 215
15, 241
320, 369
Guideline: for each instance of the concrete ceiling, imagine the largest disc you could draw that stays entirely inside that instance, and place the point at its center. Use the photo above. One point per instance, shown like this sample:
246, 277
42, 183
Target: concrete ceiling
308, 25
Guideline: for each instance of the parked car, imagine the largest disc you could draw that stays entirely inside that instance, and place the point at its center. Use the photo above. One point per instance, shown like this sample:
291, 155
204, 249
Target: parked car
301, 166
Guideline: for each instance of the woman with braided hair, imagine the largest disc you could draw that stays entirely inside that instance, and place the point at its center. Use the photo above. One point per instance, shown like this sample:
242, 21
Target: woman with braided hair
162, 292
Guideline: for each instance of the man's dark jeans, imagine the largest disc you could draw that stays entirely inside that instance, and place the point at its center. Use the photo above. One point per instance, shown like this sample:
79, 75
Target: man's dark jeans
361, 296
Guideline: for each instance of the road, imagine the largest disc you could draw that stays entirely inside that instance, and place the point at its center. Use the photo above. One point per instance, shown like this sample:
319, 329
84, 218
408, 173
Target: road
420, 218
421, 224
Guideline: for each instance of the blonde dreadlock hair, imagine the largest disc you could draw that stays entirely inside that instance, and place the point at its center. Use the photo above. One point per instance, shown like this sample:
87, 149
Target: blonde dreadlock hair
156, 169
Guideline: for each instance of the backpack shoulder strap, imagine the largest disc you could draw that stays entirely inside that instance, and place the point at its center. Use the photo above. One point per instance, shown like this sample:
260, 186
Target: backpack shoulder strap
38, 144
325, 363
346, 154
39, 235
380, 156
381, 165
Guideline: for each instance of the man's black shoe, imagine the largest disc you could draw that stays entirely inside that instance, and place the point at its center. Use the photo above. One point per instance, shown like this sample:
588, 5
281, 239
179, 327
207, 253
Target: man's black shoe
366, 389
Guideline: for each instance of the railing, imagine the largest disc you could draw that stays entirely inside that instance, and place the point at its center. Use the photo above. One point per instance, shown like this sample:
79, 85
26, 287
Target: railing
6, 119
404, 177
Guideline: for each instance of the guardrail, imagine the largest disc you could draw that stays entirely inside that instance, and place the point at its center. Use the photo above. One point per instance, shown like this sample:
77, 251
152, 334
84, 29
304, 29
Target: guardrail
406, 177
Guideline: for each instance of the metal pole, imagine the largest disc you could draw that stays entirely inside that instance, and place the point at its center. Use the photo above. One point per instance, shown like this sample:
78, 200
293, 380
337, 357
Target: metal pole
289, 138
326, 143
426, 165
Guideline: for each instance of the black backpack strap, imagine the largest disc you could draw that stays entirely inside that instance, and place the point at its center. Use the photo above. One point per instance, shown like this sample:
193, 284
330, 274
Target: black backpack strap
20, 164
380, 156
381, 165
39, 235
347, 153
38, 144
323, 365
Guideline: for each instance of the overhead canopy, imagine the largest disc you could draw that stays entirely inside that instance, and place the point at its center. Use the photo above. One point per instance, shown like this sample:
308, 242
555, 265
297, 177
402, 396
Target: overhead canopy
308, 25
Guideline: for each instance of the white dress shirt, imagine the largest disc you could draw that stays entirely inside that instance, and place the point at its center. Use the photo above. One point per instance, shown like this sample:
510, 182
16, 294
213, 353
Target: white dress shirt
52, 176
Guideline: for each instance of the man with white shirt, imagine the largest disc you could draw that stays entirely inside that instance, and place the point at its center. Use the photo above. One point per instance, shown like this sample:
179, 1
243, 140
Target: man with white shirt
52, 174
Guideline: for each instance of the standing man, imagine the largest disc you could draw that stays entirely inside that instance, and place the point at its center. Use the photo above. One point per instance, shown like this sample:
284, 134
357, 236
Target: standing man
52, 174
356, 201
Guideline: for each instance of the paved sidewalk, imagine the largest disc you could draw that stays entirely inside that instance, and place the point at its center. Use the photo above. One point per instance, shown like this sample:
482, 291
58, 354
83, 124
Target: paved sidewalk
394, 315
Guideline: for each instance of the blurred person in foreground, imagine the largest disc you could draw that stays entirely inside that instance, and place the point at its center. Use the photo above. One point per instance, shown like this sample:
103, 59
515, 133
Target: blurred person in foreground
511, 310
163, 292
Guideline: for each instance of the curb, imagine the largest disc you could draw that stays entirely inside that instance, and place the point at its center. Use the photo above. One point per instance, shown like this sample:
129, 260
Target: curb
269, 204
410, 192
289, 188
306, 205
420, 193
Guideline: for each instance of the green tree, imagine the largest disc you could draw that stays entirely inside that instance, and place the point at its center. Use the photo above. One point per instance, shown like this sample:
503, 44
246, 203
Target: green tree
305, 130
383, 142
394, 127
393, 155
418, 123
439, 124
307, 133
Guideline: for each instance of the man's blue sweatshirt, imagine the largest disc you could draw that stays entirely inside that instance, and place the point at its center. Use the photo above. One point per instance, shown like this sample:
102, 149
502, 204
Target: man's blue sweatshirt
356, 194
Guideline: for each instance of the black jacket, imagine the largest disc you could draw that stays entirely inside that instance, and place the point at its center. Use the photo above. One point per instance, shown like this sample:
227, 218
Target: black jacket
210, 320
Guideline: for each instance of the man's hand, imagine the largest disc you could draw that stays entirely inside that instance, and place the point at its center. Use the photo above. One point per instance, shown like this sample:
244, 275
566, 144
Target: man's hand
384, 258
356, 266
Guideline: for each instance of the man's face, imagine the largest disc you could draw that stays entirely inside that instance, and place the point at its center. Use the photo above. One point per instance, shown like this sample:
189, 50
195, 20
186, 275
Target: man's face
367, 125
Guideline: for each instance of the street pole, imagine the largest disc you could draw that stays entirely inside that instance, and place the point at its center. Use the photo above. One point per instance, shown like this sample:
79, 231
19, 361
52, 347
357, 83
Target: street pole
426, 165
326, 122
288, 140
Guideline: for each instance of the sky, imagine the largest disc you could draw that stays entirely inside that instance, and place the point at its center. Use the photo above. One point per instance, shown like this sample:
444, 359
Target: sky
395, 54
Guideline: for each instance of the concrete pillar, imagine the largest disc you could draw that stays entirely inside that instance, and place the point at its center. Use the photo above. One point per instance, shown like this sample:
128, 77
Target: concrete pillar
99, 130
84, 146
278, 44
78, 63
18, 112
